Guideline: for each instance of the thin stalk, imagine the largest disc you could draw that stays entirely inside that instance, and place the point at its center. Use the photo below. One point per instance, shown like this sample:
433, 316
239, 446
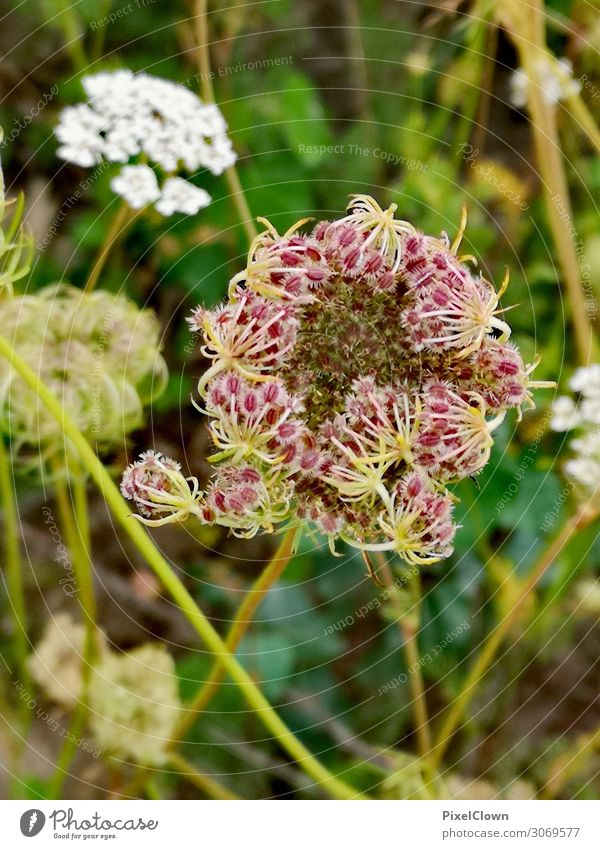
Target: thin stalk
119, 225
239, 626
209, 786
75, 525
208, 95
140, 538
565, 767
528, 35
409, 626
584, 118
417, 689
14, 570
579, 520
73, 35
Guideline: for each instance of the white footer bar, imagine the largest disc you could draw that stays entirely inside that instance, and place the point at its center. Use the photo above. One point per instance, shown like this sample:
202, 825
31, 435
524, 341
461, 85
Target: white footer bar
300, 825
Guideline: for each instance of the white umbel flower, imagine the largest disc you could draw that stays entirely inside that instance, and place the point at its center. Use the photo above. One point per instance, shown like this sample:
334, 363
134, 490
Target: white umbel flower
583, 417
137, 115
135, 704
554, 76
80, 133
181, 196
137, 184
564, 414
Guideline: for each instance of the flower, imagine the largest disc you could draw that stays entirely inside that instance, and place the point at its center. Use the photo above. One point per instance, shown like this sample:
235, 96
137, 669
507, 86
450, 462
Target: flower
137, 184
56, 664
97, 352
134, 704
583, 416
553, 76
156, 485
180, 196
354, 375
146, 123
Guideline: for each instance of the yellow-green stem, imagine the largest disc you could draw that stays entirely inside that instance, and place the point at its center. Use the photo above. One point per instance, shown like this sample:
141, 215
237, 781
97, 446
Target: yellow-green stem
409, 626
120, 222
73, 34
584, 118
138, 535
529, 39
567, 765
239, 626
14, 570
75, 525
209, 786
208, 95
487, 654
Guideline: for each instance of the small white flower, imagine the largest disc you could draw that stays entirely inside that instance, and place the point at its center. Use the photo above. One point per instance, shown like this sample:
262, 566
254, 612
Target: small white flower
79, 132
564, 414
137, 184
554, 76
181, 196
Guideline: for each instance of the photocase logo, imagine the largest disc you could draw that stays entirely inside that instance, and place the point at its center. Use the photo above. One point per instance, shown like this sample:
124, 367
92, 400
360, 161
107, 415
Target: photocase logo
32, 822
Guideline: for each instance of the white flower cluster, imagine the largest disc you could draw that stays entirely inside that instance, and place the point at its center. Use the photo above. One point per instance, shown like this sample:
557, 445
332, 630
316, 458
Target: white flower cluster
137, 115
584, 416
555, 76
133, 697
135, 704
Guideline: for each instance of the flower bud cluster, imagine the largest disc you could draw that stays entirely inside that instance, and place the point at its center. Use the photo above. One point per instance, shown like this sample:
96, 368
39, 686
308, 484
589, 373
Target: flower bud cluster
97, 352
356, 372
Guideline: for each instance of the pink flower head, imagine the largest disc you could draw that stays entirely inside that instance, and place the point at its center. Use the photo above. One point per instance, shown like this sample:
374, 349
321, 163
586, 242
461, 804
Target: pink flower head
353, 376
159, 490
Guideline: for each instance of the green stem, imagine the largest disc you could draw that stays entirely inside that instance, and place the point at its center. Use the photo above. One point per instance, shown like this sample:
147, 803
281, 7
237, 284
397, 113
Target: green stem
490, 648
409, 626
14, 570
239, 626
75, 525
120, 223
209, 786
208, 95
584, 118
73, 35
138, 535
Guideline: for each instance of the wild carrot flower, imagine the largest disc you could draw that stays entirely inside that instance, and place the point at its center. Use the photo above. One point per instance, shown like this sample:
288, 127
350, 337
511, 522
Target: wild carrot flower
56, 664
156, 128
97, 352
355, 372
135, 704
582, 416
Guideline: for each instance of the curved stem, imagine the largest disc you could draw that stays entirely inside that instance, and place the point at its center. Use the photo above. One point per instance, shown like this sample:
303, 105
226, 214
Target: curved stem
581, 519
239, 626
208, 95
209, 786
14, 571
119, 225
139, 536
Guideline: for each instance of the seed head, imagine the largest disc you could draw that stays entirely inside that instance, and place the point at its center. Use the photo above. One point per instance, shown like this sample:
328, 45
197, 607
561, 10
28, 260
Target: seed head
354, 374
